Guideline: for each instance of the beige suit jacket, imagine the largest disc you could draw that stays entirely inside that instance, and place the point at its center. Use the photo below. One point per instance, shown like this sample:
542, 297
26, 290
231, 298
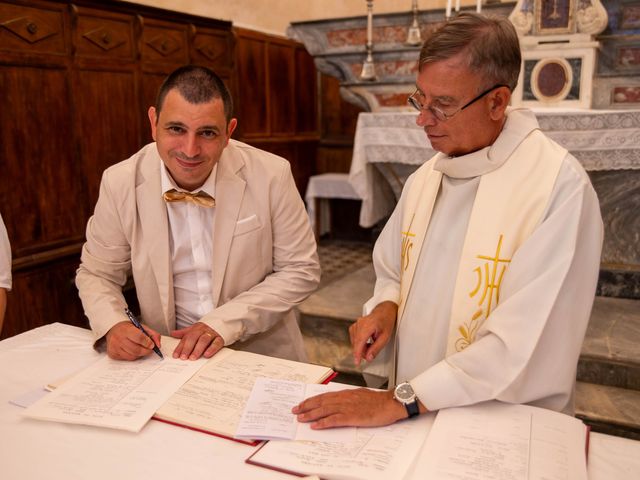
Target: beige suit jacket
264, 253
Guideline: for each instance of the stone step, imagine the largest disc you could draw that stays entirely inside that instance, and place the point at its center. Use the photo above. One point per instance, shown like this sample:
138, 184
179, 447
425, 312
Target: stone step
610, 353
610, 410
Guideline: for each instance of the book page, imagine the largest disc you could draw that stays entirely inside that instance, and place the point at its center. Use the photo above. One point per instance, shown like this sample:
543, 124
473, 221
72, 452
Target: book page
558, 444
378, 453
498, 441
267, 413
213, 400
117, 394
474, 443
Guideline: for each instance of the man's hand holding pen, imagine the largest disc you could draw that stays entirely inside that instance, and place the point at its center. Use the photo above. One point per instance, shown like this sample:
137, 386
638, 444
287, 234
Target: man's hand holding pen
130, 340
126, 342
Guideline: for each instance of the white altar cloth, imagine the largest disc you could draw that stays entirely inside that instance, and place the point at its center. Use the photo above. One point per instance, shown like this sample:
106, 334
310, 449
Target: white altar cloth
33, 449
389, 146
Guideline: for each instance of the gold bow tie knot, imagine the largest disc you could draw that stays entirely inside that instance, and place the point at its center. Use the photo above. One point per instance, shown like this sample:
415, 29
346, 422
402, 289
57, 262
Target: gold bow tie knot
201, 198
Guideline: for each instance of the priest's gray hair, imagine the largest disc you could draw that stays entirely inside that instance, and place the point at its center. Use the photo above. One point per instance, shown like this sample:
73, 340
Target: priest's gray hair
197, 85
490, 43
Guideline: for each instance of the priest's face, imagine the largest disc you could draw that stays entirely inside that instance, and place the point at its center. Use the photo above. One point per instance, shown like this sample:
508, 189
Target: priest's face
190, 137
444, 89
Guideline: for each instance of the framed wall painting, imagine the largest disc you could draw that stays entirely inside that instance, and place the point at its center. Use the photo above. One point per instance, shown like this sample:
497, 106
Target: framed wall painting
554, 16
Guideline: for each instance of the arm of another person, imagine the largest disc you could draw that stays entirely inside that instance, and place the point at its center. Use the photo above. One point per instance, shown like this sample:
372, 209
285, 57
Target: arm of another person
296, 271
3, 306
5, 270
104, 265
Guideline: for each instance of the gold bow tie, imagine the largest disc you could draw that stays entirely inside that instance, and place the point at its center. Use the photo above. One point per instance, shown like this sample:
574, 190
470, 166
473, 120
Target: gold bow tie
201, 198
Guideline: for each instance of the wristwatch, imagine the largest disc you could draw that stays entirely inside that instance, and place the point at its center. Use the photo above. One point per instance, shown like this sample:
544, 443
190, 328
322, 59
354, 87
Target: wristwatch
404, 394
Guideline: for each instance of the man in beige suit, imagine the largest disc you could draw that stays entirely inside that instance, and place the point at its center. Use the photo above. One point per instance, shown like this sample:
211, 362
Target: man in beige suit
208, 275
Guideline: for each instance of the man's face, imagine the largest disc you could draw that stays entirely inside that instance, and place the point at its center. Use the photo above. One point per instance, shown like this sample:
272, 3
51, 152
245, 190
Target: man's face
190, 137
449, 85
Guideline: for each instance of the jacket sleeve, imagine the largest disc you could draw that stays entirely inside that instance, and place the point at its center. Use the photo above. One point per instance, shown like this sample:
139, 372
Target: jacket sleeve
105, 264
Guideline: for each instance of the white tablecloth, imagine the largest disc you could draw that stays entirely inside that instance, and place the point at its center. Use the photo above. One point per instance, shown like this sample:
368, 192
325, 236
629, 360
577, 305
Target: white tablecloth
389, 146
32, 449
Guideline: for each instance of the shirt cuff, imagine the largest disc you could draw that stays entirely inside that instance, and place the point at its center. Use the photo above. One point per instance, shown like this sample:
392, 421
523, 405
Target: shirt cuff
438, 387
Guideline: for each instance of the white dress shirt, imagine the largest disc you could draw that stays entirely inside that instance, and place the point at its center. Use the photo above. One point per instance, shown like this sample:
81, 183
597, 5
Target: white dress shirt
191, 243
5, 257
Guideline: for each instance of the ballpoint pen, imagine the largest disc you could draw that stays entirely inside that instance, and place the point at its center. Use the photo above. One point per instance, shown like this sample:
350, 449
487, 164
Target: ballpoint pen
139, 326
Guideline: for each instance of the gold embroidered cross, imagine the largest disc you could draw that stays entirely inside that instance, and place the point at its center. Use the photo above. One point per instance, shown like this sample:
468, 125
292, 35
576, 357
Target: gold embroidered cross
489, 286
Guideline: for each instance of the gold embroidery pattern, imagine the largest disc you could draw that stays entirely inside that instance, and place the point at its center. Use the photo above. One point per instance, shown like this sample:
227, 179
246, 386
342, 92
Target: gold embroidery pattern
488, 288
407, 245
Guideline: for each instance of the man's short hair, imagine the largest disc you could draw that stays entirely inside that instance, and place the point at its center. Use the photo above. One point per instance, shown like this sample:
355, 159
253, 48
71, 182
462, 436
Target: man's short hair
490, 43
196, 84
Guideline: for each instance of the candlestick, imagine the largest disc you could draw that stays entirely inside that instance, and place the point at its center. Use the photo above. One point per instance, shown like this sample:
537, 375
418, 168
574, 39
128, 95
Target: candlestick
368, 68
413, 34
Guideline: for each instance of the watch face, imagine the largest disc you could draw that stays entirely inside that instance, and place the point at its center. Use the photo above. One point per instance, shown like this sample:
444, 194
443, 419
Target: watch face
404, 392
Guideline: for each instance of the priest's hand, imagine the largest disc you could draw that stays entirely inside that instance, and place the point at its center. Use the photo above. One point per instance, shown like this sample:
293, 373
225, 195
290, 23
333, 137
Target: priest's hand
372, 332
197, 340
126, 342
358, 408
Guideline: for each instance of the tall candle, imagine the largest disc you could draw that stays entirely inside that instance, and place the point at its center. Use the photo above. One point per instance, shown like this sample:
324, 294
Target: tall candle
457, 5
448, 11
479, 6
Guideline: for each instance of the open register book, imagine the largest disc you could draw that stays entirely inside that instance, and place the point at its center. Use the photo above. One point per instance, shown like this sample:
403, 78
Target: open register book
205, 395
213, 400
489, 441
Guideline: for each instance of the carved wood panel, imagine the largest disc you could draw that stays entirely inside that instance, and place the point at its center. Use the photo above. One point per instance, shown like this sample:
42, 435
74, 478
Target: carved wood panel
33, 30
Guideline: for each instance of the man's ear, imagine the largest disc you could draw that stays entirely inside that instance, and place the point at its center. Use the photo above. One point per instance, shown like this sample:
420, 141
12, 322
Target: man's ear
233, 123
499, 102
153, 120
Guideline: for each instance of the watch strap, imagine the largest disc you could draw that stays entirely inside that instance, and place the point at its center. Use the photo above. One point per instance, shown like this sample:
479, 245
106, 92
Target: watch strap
412, 408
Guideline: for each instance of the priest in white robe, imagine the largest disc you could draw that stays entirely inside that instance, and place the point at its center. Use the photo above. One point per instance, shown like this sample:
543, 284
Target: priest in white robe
487, 269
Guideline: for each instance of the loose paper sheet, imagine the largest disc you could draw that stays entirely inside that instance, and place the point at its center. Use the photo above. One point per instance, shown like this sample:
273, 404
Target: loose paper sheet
117, 394
267, 414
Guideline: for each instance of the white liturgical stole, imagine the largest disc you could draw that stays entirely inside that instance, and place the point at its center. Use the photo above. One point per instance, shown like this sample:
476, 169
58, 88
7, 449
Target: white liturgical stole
508, 206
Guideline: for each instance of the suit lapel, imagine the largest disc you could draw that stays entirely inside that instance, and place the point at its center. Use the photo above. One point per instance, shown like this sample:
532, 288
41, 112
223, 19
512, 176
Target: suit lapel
229, 192
155, 228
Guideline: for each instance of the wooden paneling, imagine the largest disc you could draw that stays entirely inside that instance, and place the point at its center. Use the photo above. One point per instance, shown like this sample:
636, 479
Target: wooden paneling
76, 81
27, 29
281, 85
164, 43
338, 125
103, 35
306, 93
42, 295
102, 121
277, 101
211, 48
38, 158
252, 102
